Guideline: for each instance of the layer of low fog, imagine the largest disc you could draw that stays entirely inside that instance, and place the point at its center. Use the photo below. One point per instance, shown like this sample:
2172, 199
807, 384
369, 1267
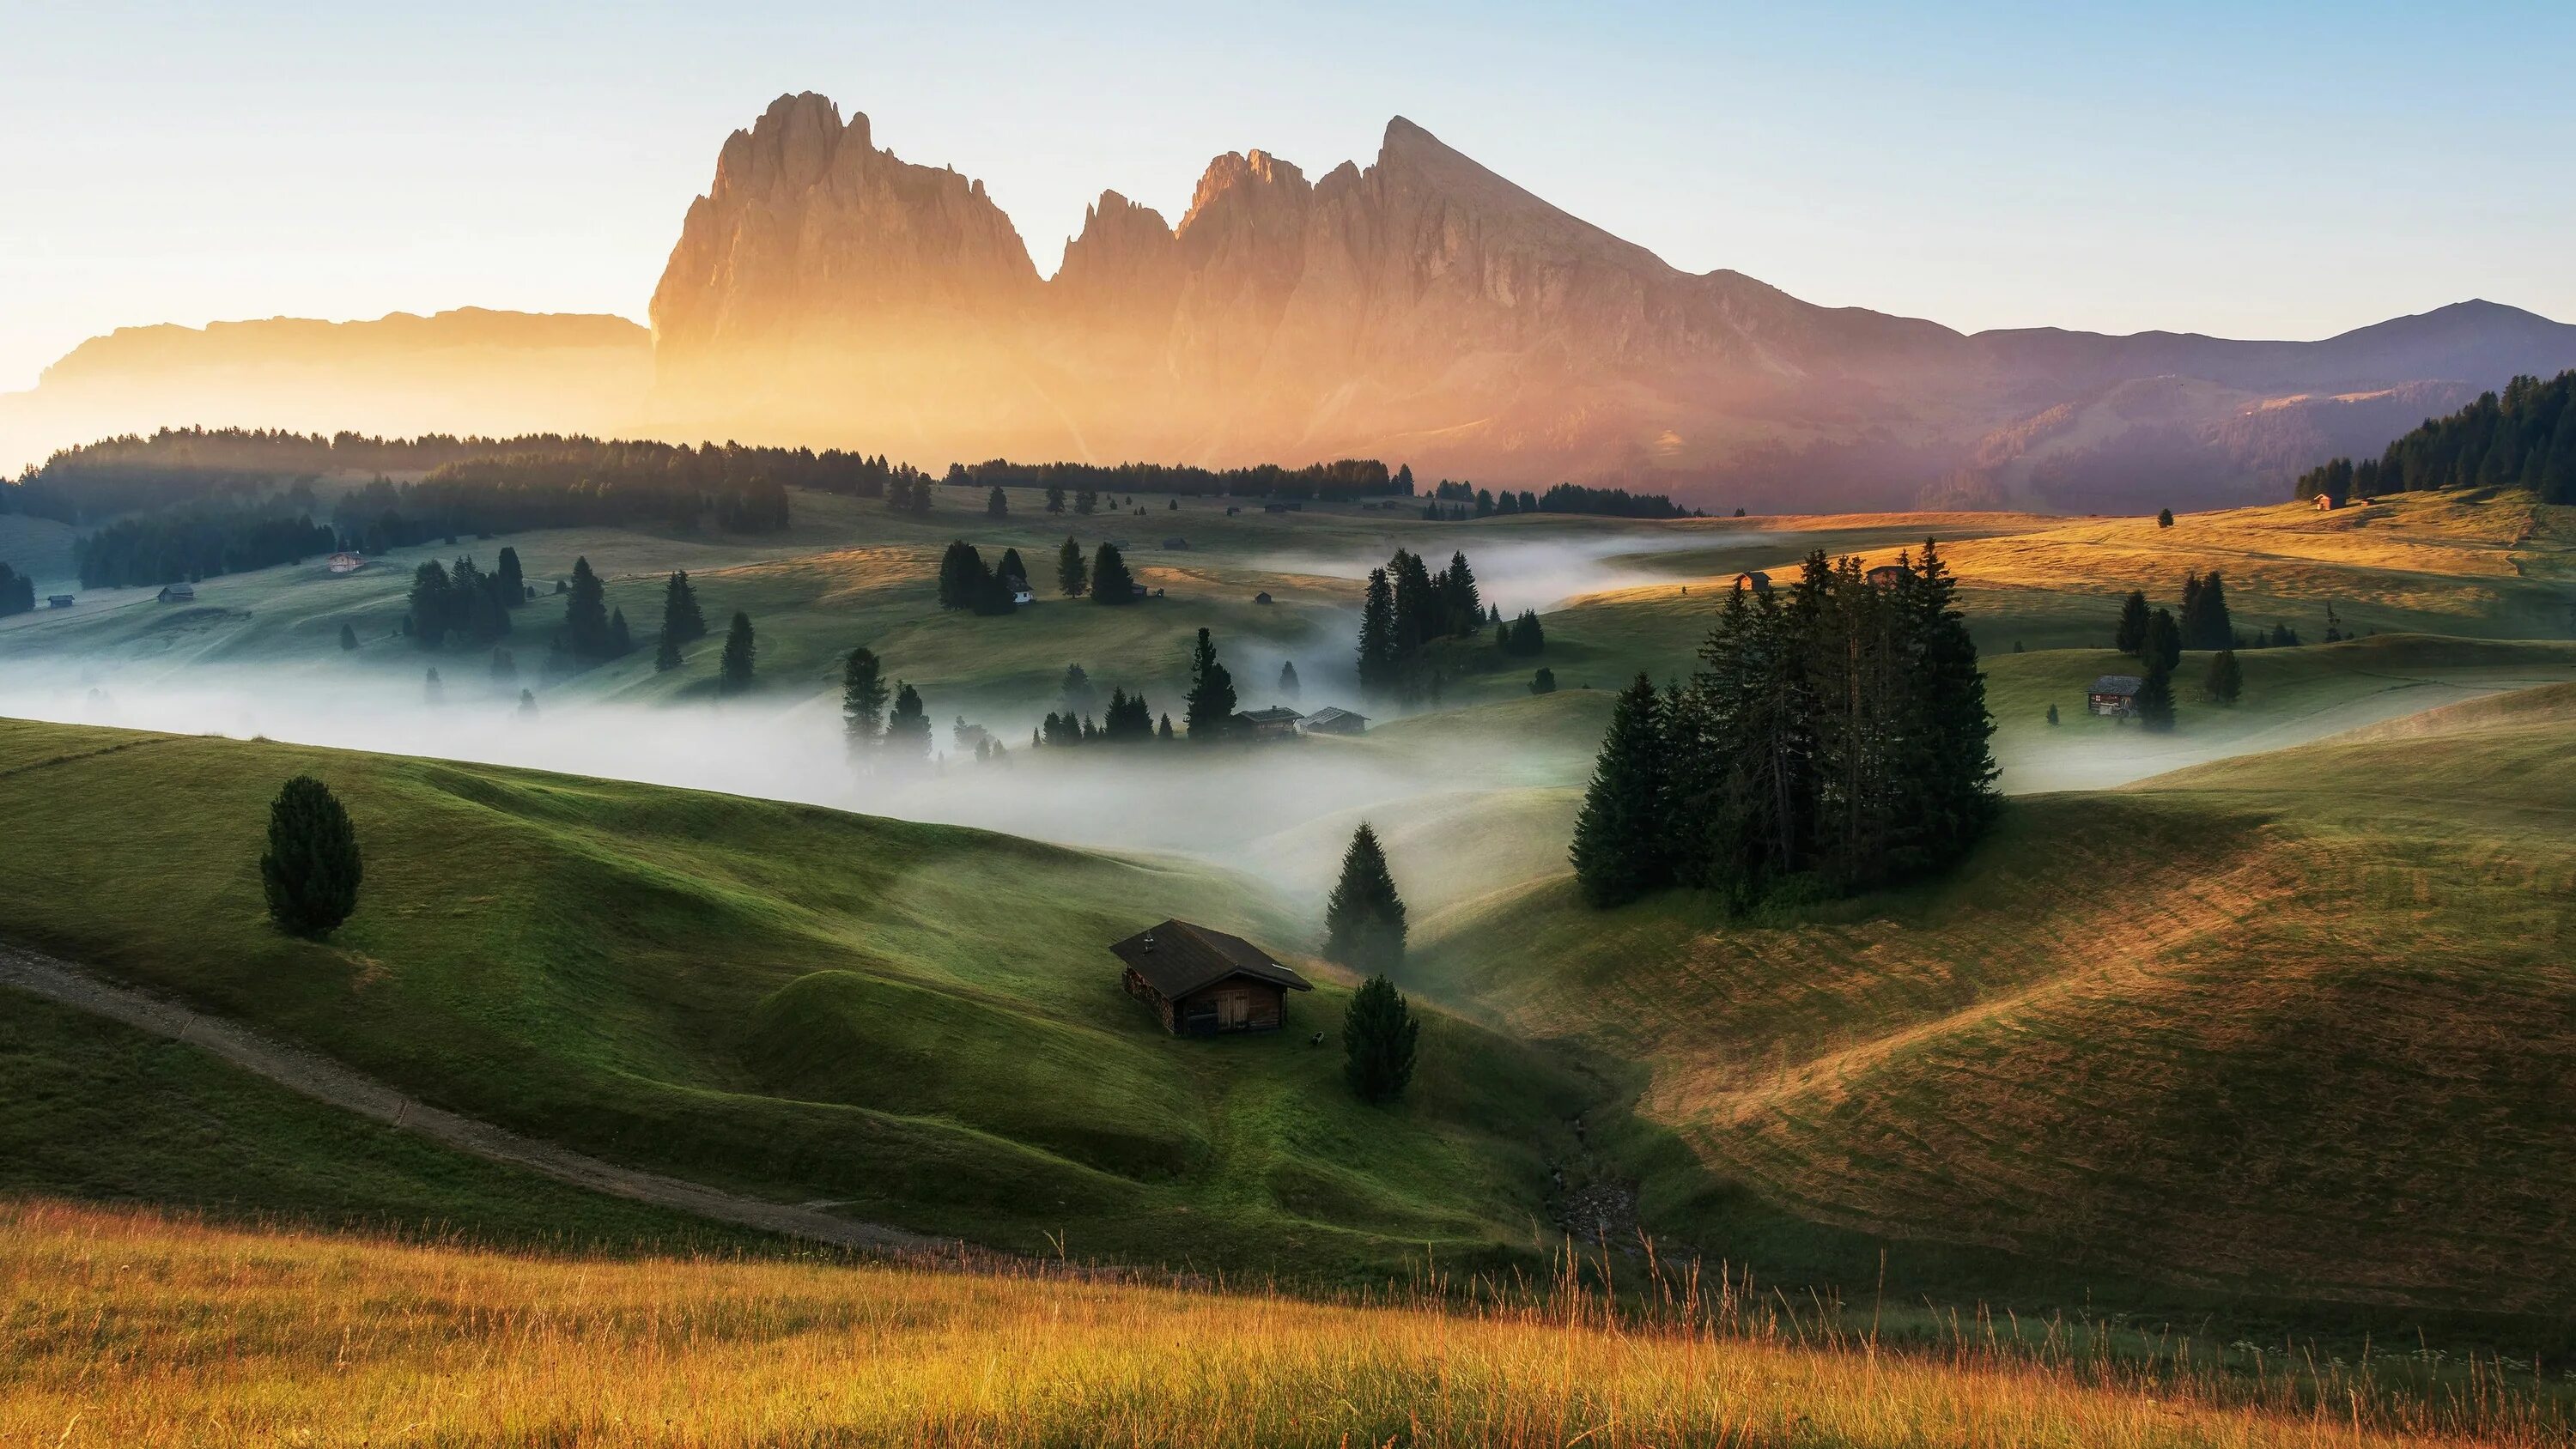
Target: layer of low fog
1535, 573
1460, 818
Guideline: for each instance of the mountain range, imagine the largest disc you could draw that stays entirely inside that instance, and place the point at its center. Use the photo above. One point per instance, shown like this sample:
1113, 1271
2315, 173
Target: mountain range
1420, 309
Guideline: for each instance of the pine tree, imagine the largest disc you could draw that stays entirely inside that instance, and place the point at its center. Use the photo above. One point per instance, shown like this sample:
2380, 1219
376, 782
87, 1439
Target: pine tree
1163, 731
733, 671
1544, 681
1379, 1037
620, 640
586, 613
2164, 642
1085, 500
311, 870
2155, 702
1377, 652
907, 733
1070, 575
1010, 571
1055, 498
1110, 581
863, 699
1458, 597
348, 637
996, 503
1076, 692
2217, 630
2131, 635
1288, 686
430, 605
666, 653
507, 581
2164, 518
527, 704
1619, 850
1210, 703
432, 690
1364, 919
2052, 714
2226, 682
681, 620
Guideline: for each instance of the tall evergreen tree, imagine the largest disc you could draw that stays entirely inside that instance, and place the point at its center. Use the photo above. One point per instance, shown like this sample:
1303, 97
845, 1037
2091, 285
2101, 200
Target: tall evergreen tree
1076, 692
586, 613
430, 605
2164, 641
1379, 1039
2208, 625
2155, 703
681, 620
1952, 775
311, 870
2131, 635
2226, 682
997, 504
863, 699
1288, 686
733, 671
348, 637
1378, 660
1110, 581
666, 653
1458, 598
907, 733
2164, 518
1364, 919
1619, 850
620, 638
1055, 498
1070, 575
508, 581
433, 691
1010, 571
1210, 705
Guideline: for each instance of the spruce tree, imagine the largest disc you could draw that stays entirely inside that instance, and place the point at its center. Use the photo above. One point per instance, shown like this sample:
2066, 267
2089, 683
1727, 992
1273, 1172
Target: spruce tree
311, 870
432, 690
2226, 679
996, 503
2052, 714
586, 613
907, 733
348, 637
527, 704
2164, 518
1288, 686
1210, 703
1164, 730
1364, 919
507, 581
681, 620
666, 653
1070, 575
1055, 498
2131, 635
2217, 630
1619, 849
1011, 571
430, 606
1465, 609
2155, 702
863, 699
1110, 581
620, 640
1544, 681
2164, 642
1379, 1036
1377, 652
733, 671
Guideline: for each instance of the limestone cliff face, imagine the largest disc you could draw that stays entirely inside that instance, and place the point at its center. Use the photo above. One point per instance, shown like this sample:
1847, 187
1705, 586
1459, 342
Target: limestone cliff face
1420, 308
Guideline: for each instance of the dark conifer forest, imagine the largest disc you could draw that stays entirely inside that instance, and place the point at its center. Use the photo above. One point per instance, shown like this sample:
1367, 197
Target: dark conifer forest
2524, 437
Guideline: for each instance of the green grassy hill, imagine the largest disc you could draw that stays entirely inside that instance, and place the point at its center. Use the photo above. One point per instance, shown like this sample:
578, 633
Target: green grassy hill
2287, 1025
919, 1024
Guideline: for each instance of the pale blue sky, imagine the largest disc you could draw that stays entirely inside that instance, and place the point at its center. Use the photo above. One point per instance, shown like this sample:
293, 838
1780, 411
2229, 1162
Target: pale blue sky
2249, 169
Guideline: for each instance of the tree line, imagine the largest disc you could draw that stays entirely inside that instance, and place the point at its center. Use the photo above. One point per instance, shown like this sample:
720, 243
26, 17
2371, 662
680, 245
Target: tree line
1563, 498
194, 543
2524, 437
1342, 478
1834, 739
17, 592
1407, 608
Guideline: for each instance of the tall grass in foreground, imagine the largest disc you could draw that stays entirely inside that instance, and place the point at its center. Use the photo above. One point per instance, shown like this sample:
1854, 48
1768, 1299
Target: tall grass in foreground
128, 1329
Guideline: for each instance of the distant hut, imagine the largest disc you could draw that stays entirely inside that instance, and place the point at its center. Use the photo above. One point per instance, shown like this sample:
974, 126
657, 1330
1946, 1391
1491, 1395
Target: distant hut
1756, 580
1278, 722
1202, 982
1176, 543
178, 593
1887, 576
58, 601
1333, 720
2326, 503
345, 563
1261, 598
2114, 695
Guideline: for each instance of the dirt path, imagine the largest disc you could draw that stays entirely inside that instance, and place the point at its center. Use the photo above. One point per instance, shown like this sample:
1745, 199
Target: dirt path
330, 1082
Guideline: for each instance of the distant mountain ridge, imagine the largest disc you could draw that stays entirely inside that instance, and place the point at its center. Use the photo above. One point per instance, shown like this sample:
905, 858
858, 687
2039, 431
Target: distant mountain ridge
1425, 309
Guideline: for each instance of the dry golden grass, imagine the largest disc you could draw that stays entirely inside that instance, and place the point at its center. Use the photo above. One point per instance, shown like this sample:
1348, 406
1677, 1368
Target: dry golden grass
131, 1330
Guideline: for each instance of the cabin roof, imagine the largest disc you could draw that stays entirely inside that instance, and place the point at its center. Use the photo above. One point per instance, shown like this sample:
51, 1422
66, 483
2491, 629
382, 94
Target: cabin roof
2117, 684
1275, 714
1332, 713
1179, 957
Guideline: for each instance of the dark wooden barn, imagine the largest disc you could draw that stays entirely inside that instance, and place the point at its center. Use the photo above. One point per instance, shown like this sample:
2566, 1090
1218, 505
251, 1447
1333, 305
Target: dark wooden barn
1202, 982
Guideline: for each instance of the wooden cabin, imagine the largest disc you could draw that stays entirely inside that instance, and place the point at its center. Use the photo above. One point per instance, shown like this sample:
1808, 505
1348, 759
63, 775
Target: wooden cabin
1887, 576
58, 601
1758, 581
178, 593
2115, 695
1278, 722
1334, 720
1203, 982
2326, 503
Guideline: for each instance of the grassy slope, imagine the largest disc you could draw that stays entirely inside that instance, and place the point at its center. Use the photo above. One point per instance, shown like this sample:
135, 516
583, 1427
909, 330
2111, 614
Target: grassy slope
604, 964
139, 1331
2285, 1024
102, 1112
